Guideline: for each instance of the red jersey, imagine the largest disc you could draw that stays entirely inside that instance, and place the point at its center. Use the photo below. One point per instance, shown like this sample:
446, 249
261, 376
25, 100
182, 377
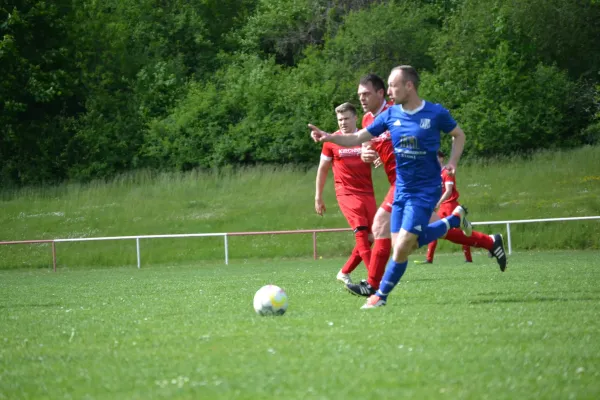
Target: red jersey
350, 174
448, 178
382, 144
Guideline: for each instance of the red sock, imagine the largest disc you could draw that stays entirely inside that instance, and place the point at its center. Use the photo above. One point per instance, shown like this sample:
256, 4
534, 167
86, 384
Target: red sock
431, 250
477, 239
352, 262
364, 247
467, 253
379, 259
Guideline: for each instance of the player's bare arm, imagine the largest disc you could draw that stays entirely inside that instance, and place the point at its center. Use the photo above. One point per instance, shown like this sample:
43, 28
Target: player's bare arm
446, 195
322, 172
319, 135
458, 144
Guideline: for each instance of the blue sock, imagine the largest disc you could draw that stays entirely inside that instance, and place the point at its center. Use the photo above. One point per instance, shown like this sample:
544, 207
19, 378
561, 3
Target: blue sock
453, 220
437, 229
393, 273
433, 232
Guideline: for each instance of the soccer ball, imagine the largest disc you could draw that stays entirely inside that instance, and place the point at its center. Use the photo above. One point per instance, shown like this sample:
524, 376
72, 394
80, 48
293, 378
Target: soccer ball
270, 300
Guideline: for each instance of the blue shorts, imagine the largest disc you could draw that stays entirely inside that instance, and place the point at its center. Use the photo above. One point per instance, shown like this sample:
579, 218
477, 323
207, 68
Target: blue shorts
412, 214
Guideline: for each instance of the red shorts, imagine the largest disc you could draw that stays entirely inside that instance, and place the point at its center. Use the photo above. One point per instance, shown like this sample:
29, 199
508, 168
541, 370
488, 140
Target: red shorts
389, 199
447, 208
359, 210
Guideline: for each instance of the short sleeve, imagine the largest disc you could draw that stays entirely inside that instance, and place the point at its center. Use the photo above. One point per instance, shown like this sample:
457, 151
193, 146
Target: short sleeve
326, 152
445, 121
380, 124
447, 178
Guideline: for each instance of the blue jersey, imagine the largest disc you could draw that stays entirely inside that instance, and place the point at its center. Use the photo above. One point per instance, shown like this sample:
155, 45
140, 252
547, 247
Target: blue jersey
416, 139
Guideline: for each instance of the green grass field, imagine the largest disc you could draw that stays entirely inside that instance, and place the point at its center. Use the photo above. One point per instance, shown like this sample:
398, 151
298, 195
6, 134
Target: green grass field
450, 330
183, 326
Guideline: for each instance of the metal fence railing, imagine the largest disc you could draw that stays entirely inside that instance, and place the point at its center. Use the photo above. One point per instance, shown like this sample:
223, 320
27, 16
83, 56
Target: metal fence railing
226, 236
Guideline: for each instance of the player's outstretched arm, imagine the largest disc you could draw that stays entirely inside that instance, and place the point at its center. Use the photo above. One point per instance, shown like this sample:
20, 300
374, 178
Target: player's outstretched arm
355, 139
458, 144
317, 134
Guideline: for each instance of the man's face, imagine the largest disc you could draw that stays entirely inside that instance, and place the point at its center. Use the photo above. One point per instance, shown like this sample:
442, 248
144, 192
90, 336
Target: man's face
398, 89
370, 99
441, 160
346, 122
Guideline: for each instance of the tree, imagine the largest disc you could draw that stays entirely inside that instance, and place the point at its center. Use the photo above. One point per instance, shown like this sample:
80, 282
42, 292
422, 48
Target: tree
38, 90
502, 90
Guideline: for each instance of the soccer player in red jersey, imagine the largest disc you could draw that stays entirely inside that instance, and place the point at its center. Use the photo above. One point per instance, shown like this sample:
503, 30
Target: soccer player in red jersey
371, 93
445, 206
353, 189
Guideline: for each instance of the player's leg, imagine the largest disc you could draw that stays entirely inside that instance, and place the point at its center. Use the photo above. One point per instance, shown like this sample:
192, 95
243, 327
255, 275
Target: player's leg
348, 209
359, 212
408, 219
350, 265
383, 240
431, 246
477, 239
467, 253
364, 238
353, 261
444, 211
430, 253
498, 251
439, 229
380, 252
382, 247
492, 243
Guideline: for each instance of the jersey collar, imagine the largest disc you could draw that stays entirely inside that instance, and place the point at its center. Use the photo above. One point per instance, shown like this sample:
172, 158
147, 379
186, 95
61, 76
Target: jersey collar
416, 110
380, 109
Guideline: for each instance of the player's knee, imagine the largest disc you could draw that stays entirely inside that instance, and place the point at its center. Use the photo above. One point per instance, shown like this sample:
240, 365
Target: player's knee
404, 246
381, 225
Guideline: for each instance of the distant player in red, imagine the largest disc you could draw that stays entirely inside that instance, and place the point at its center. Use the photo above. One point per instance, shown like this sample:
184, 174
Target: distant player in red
445, 206
353, 189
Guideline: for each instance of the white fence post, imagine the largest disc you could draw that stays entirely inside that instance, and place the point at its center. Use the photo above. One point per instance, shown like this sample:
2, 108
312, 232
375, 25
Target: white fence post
137, 248
508, 237
226, 250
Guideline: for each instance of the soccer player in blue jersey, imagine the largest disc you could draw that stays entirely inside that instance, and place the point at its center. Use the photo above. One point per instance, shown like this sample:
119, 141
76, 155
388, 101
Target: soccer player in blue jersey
415, 126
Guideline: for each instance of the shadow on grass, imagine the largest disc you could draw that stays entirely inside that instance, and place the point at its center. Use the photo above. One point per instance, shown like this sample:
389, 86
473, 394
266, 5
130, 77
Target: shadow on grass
533, 300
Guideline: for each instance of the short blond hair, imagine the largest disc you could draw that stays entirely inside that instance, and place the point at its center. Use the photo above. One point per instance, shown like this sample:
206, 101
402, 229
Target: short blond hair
342, 108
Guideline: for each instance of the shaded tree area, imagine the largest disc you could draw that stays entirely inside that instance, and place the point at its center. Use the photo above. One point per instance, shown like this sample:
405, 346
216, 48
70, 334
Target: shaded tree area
90, 89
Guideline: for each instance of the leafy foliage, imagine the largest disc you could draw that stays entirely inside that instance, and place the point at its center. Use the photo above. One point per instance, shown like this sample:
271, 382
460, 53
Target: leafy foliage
91, 89
38, 90
506, 96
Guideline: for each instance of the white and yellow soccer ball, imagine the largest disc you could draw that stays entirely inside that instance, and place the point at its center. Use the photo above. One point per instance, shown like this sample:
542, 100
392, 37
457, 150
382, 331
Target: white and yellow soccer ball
270, 300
